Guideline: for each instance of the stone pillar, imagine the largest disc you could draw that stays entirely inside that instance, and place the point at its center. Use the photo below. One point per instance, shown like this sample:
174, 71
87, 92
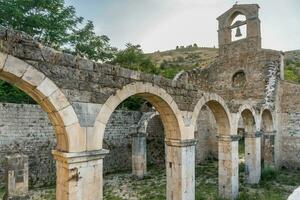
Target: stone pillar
268, 148
79, 175
139, 155
180, 169
252, 157
16, 176
228, 166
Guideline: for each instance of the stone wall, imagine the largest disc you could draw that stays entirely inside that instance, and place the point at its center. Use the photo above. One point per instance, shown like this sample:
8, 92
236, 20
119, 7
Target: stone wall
117, 140
206, 135
290, 124
155, 141
26, 129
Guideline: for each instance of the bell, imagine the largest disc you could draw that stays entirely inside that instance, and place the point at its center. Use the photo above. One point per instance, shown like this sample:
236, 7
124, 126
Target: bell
238, 32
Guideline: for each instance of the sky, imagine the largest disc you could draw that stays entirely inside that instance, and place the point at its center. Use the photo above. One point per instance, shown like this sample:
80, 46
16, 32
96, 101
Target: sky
164, 24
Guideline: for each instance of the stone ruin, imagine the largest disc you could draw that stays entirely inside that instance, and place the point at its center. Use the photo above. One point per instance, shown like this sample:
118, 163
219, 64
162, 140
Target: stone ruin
245, 83
16, 177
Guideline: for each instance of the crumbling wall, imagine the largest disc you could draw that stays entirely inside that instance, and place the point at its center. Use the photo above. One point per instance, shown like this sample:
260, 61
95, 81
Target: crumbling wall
290, 124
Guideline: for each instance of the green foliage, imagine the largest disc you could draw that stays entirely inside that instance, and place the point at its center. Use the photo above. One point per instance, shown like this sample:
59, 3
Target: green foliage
48, 20
268, 174
292, 71
133, 58
56, 25
132, 103
170, 72
87, 44
11, 94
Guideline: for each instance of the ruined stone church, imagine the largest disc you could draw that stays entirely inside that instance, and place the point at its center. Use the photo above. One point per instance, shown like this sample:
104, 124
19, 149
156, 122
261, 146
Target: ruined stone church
201, 113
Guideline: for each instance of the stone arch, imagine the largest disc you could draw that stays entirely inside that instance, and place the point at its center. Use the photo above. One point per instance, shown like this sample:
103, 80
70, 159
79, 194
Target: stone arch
233, 15
239, 79
220, 110
227, 147
267, 120
268, 137
69, 135
247, 113
252, 144
158, 97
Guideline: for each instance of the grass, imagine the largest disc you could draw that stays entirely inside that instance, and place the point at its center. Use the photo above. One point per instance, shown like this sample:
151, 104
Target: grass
274, 185
2, 191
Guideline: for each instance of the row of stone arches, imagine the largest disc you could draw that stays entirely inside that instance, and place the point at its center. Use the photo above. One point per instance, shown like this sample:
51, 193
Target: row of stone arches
79, 153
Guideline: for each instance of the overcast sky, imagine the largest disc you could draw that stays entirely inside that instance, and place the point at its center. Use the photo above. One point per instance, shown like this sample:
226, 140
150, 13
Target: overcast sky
164, 24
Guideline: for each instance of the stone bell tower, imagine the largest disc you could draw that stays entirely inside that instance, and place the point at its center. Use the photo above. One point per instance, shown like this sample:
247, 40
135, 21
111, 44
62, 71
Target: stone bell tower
227, 24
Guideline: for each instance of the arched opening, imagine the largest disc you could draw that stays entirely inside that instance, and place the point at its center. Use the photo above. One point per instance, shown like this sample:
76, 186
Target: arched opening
27, 136
32, 138
135, 139
249, 148
268, 138
239, 80
212, 173
173, 135
238, 26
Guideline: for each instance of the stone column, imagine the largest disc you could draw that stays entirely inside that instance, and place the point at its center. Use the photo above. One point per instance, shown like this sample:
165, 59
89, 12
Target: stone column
228, 166
79, 175
252, 157
16, 176
180, 169
139, 155
268, 148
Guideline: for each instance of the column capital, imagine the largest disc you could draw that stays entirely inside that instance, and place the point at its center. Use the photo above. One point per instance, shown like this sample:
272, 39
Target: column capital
79, 157
252, 134
229, 138
181, 143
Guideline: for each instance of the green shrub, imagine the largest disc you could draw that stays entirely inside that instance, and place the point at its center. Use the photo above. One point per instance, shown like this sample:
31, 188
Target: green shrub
11, 94
268, 174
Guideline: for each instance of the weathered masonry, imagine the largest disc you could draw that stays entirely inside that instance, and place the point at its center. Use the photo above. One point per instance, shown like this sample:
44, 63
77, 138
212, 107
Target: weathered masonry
79, 96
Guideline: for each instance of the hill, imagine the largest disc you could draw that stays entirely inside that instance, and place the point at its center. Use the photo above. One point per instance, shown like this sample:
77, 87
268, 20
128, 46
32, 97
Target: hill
173, 61
292, 55
182, 58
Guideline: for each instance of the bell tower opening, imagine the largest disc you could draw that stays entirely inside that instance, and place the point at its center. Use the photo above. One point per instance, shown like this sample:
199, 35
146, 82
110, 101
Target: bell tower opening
238, 28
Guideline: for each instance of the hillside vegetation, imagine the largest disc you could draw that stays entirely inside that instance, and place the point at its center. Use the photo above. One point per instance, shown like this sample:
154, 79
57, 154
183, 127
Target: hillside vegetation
173, 61
292, 66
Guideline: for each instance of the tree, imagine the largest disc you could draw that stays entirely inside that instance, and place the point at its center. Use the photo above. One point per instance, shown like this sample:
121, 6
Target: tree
49, 20
133, 58
56, 25
87, 44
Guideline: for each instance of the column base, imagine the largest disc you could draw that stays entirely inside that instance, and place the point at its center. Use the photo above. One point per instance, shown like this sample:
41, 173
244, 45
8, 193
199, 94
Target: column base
79, 175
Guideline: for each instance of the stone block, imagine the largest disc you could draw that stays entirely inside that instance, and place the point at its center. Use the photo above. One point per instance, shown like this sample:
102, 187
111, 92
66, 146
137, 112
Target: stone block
16, 177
